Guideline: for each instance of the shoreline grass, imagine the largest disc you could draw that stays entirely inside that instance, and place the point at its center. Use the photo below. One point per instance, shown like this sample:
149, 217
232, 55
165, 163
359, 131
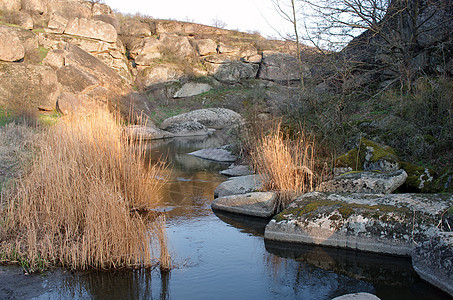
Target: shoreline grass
78, 206
287, 164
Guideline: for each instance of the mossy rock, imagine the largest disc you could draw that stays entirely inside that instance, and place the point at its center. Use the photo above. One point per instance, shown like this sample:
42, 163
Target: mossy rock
444, 183
377, 157
419, 179
350, 160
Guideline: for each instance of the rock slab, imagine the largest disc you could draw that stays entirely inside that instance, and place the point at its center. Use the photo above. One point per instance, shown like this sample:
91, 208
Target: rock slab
239, 185
259, 204
217, 118
365, 182
216, 154
237, 170
357, 296
390, 224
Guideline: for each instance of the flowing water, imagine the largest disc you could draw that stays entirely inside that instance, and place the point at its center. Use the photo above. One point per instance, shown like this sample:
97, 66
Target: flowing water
224, 256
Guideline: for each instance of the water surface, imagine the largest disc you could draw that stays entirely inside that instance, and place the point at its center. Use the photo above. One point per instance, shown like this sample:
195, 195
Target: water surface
224, 256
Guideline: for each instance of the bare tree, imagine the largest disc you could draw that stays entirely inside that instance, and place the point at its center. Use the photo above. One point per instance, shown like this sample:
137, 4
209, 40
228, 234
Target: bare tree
289, 12
217, 23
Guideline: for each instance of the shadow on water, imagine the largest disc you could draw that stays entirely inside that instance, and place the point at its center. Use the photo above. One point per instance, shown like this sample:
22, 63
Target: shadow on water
246, 224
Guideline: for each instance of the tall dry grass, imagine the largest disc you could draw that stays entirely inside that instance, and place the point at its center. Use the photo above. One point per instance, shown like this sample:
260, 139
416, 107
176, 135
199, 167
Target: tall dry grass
287, 163
78, 207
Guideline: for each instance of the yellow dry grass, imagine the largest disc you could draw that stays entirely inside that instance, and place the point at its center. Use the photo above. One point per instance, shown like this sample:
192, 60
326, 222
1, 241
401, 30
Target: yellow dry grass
78, 205
287, 164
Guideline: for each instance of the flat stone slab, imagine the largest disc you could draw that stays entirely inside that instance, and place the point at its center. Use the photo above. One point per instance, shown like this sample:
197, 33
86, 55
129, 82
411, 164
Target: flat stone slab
189, 128
357, 296
258, 204
239, 185
365, 182
137, 132
433, 261
389, 224
217, 154
237, 170
217, 118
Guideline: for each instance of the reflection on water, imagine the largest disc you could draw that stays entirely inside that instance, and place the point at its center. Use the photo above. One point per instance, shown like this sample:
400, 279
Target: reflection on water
224, 256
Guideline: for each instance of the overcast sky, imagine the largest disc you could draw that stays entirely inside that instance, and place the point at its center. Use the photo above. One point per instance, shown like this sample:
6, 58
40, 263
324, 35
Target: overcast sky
245, 15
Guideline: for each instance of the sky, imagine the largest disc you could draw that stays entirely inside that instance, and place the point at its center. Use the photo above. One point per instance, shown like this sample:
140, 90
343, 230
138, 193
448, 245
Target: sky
244, 15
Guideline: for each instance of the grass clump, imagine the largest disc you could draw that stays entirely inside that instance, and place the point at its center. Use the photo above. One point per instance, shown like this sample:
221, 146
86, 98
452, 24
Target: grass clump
78, 206
287, 164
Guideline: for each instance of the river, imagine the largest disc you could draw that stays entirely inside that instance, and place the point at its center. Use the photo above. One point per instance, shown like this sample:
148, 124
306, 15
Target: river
224, 256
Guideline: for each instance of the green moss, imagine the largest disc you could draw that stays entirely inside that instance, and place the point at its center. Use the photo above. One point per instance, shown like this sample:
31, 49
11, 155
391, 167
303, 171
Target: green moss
315, 208
378, 152
351, 160
419, 179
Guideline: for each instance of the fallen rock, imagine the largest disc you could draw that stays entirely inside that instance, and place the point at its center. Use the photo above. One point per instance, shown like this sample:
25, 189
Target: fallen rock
92, 29
419, 179
57, 24
259, 204
357, 296
217, 154
239, 185
144, 133
433, 261
75, 80
191, 89
365, 182
237, 170
390, 224
217, 118
178, 45
189, 128
11, 48
146, 52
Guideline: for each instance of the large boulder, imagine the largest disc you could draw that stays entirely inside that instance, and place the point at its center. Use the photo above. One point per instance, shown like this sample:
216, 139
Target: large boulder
157, 74
239, 185
34, 86
37, 6
205, 46
28, 38
217, 118
237, 170
258, 204
191, 89
390, 224
57, 23
365, 182
69, 11
21, 18
11, 48
433, 261
146, 52
280, 67
177, 45
91, 29
189, 128
75, 80
232, 72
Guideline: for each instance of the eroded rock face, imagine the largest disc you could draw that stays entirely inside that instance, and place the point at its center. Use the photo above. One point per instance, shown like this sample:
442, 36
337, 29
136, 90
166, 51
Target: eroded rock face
10, 4
258, 204
178, 45
34, 86
433, 261
239, 185
146, 52
280, 67
158, 74
376, 223
233, 72
365, 182
91, 29
135, 28
217, 118
11, 48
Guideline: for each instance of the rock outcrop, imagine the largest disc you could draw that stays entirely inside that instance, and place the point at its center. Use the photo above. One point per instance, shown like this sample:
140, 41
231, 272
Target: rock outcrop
11, 48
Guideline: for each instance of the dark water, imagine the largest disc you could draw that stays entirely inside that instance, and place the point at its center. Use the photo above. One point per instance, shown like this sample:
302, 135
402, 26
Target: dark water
224, 256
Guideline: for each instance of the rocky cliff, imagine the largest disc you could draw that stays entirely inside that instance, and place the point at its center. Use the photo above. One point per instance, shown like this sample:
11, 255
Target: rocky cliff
70, 54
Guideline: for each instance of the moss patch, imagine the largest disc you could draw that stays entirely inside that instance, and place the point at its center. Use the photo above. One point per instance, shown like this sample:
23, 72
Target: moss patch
374, 152
419, 179
350, 159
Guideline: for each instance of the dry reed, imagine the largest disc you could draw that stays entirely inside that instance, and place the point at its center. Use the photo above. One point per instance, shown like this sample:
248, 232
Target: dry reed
286, 164
78, 206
